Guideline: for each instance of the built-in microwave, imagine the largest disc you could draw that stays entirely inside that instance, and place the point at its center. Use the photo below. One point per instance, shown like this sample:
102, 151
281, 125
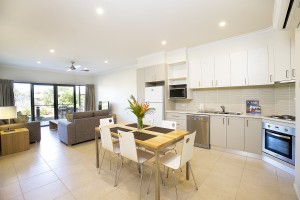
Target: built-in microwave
177, 91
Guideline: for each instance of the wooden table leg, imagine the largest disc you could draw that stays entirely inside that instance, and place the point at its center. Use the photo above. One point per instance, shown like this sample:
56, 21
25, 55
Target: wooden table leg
157, 183
97, 149
187, 171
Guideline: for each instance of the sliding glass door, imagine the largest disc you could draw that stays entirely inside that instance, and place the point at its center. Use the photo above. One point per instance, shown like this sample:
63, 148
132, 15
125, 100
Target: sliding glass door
43, 103
65, 97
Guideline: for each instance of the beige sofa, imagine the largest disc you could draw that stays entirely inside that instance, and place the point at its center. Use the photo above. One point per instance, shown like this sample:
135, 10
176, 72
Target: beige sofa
34, 129
82, 127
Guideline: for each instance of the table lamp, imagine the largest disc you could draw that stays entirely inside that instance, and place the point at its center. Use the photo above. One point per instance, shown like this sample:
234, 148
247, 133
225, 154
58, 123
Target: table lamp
8, 112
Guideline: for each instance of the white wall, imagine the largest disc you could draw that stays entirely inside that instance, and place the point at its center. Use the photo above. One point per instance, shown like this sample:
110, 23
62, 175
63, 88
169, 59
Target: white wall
41, 76
116, 87
297, 88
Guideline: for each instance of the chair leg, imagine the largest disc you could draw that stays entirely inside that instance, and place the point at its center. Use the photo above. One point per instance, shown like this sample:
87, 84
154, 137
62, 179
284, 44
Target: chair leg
150, 178
193, 177
141, 182
175, 182
101, 162
109, 161
117, 175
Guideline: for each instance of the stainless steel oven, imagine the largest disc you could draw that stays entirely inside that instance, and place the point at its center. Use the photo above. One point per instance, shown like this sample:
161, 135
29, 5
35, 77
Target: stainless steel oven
278, 140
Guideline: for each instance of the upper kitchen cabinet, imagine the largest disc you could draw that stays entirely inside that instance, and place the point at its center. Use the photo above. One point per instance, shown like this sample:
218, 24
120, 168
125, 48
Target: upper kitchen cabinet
208, 72
222, 70
194, 74
238, 70
258, 67
284, 71
155, 73
140, 80
176, 56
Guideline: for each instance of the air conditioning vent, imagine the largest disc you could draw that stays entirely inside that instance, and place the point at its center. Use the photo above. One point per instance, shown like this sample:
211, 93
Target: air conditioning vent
286, 14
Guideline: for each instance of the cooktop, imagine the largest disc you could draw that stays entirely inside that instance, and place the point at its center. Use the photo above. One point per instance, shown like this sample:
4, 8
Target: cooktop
283, 117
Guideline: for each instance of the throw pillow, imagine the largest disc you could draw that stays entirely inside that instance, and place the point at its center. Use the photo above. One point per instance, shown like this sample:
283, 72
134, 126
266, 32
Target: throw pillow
21, 119
69, 117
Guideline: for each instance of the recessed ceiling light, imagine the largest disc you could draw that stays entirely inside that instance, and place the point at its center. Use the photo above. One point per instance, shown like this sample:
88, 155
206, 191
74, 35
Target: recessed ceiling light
52, 50
38, 62
222, 24
99, 11
163, 42
105, 61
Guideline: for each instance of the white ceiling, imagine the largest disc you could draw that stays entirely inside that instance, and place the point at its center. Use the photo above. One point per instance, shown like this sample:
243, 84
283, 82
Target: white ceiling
128, 29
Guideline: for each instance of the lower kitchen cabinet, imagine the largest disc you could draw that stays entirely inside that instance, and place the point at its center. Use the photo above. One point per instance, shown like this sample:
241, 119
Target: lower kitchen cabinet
235, 133
179, 118
253, 135
218, 130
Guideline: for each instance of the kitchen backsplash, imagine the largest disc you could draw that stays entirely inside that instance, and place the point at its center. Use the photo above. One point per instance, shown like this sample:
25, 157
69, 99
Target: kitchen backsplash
276, 99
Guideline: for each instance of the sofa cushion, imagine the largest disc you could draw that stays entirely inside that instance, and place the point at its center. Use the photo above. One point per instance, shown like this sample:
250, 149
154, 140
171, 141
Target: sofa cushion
21, 119
1, 122
69, 117
79, 115
101, 112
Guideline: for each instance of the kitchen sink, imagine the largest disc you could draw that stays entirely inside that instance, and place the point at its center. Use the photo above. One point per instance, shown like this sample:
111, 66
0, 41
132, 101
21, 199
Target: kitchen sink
227, 113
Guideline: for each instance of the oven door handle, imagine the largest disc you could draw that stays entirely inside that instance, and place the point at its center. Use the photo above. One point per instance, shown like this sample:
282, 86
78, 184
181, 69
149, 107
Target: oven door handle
281, 136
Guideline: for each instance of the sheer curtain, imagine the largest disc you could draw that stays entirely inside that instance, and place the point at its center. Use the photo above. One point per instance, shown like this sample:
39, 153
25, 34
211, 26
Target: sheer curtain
90, 98
7, 93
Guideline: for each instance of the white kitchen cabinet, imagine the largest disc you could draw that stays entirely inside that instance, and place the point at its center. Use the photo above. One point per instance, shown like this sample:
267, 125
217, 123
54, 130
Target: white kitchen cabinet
155, 73
222, 70
208, 72
284, 71
238, 71
253, 135
179, 118
235, 133
218, 130
258, 67
195, 74
140, 80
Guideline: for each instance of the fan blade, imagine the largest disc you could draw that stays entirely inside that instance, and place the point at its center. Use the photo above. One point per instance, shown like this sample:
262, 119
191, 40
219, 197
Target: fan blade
77, 66
68, 70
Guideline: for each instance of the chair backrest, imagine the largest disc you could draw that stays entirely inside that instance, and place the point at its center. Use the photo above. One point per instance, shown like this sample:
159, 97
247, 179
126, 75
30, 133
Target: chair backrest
106, 139
106, 121
127, 145
148, 121
168, 124
187, 148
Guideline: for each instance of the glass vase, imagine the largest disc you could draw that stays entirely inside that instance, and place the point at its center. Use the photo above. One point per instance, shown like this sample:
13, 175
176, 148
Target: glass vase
139, 123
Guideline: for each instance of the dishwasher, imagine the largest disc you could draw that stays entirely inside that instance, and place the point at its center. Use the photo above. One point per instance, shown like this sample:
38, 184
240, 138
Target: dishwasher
200, 124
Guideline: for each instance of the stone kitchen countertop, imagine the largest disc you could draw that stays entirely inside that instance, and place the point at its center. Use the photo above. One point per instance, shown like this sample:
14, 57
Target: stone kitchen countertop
242, 115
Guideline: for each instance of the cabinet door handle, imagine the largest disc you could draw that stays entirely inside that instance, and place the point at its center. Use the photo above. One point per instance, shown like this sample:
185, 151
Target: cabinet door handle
212, 82
228, 121
286, 73
293, 73
247, 122
245, 81
223, 120
271, 79
199, 84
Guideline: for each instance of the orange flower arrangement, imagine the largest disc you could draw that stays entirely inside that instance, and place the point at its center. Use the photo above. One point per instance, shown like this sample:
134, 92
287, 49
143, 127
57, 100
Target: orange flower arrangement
139, 109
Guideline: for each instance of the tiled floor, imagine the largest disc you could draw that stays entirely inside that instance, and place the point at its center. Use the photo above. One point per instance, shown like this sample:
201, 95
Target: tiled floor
52, 170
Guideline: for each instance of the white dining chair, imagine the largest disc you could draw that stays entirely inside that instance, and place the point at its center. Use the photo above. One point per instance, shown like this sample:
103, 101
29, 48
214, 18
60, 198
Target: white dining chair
106, 122
169, 125
148, 121
128, 150
108, 145
175, 161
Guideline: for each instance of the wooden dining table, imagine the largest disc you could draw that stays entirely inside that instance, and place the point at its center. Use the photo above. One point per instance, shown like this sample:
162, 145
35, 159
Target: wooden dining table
160, 138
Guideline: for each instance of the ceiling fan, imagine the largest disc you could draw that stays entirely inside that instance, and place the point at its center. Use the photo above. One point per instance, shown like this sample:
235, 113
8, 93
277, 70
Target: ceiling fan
76, 67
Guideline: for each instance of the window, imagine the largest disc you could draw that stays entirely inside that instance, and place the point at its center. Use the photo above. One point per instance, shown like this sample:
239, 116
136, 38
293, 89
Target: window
80, 98
23, 98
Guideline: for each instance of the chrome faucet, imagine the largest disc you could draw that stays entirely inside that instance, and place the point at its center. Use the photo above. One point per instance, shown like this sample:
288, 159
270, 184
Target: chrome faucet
223, 108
